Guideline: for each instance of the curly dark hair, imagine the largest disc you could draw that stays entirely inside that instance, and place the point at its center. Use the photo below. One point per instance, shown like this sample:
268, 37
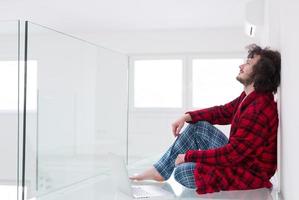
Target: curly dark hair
266, 72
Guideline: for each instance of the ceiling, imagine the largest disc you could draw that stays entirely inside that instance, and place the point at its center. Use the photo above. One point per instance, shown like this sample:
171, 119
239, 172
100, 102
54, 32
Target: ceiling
126, 15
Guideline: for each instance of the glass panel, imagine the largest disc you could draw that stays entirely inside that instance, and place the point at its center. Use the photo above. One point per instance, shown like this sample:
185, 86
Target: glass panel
79, 110
9, 48
214, 81
8, 85
158, 83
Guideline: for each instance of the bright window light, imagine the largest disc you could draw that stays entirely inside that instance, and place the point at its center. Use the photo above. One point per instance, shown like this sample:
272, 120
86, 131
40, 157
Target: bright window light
158, 83
214, 81
9, 85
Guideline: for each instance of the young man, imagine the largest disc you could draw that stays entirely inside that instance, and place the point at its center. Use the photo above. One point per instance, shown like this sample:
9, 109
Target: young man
205, 159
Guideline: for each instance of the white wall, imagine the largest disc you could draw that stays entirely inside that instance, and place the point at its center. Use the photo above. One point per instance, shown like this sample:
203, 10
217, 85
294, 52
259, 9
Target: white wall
283, 31
289, 99
271, 37
231, 39
272, 29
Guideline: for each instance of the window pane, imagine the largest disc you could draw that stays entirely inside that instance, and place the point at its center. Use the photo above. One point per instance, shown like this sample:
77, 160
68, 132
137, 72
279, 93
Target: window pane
214, 81
158, 83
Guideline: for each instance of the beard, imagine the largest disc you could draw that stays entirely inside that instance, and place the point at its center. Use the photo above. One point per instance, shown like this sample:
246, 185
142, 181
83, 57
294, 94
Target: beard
246, 81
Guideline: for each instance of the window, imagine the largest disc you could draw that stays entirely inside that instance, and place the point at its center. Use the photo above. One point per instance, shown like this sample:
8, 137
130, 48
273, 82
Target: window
9, 85
184, 82
214, 81
158, 83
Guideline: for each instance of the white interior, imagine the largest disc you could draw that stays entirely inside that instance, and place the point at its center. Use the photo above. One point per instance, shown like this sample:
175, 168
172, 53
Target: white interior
149, 29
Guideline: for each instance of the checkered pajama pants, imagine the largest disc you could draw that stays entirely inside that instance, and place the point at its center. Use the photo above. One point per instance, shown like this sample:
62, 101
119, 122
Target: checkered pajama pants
201, 135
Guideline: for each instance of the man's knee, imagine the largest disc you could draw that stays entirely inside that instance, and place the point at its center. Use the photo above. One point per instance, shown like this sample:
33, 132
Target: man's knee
202, 123
176, 174
184, 176
198, 124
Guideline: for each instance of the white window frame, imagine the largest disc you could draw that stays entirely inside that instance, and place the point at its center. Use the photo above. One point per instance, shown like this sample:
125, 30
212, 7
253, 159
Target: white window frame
187, 78
209, 56
132, 59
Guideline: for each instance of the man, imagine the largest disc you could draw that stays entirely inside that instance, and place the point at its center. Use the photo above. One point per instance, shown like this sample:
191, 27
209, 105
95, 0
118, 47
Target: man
205, 159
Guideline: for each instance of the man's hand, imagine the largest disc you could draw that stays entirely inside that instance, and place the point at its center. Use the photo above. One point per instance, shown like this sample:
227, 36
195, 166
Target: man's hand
180, 159
178, 124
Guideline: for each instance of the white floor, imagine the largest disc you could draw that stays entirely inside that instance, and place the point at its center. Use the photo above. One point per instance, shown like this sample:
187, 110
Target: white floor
101, 187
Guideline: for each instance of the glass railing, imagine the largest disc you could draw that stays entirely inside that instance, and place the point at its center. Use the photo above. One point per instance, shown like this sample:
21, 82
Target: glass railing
9, 109
76, 109
63, 109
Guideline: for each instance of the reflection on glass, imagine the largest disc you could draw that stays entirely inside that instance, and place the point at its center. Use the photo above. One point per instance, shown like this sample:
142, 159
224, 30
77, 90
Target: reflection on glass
214, 81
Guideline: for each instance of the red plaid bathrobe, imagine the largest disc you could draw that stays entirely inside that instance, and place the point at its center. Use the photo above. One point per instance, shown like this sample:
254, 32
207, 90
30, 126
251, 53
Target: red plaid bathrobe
249, 159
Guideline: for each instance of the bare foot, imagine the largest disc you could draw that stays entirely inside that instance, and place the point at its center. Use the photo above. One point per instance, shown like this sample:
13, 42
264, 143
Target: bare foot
149, 174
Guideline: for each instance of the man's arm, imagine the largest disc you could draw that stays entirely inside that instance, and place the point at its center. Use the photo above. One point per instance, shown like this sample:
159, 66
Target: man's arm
178, 124
249, 135
218, 114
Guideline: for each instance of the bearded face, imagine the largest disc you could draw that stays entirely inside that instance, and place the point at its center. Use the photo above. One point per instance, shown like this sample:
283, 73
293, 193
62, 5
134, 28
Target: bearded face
245, 79
246, 75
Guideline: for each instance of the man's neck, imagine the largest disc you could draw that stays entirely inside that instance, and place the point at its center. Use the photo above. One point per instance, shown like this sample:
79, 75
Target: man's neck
248, 89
